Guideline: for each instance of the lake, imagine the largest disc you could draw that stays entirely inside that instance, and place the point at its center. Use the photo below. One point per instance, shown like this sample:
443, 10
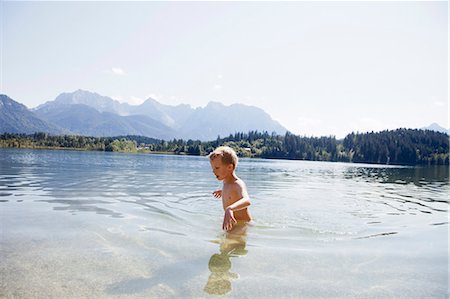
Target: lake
115, 225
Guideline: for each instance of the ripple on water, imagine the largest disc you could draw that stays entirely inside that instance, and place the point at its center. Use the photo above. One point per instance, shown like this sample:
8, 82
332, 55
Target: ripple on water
311, 200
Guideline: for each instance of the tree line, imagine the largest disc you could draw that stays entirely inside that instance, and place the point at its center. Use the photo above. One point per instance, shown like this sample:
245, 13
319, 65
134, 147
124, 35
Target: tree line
76, 142
401, 146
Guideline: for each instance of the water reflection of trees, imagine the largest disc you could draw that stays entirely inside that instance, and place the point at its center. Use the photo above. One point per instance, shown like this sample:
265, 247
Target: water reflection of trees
418, 176
232, 245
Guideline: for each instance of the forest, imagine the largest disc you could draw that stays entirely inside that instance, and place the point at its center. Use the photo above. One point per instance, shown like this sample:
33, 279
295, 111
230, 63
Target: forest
398, 147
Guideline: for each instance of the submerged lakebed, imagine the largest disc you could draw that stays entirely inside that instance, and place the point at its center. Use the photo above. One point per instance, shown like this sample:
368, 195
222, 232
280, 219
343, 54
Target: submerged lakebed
109, 225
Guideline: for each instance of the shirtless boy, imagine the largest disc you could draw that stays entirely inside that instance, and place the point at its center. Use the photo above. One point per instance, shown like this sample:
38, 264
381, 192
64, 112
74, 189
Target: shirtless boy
235, 199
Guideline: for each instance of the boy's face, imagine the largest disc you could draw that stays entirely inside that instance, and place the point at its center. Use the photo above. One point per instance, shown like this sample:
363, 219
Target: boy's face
221, 170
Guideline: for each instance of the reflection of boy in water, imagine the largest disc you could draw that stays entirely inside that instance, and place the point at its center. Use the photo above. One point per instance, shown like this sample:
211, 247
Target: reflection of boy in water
219, 281
235, 199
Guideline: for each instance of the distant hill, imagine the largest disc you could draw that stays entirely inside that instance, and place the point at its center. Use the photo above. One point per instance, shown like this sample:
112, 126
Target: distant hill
437, 128
16, 118
89, 113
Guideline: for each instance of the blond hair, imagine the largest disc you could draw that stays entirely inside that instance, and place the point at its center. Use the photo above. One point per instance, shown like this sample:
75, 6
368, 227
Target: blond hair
226, 154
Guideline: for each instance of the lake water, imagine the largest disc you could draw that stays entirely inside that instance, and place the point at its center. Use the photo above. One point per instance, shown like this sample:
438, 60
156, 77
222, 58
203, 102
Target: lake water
113, 225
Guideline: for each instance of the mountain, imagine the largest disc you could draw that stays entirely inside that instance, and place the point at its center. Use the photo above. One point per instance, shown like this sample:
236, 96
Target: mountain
217, 119
85, 120
16, 118
437, 128
150, 107
91, 99
151, 118
155, 110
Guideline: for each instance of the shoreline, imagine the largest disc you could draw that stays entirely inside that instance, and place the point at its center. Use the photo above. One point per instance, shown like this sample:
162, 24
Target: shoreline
397, 147
186, 154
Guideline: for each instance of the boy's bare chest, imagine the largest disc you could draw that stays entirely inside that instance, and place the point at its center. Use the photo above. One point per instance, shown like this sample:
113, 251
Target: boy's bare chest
228, 197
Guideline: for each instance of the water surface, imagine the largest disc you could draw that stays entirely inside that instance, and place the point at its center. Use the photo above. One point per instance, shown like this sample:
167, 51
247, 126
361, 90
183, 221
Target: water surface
108, 225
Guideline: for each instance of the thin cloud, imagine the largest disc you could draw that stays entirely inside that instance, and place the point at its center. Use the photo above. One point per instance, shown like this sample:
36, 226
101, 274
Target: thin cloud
132, 100
135, 100
118, 71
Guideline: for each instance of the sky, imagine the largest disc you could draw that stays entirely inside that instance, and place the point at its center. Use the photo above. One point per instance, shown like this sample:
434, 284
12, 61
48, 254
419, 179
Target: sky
319, 68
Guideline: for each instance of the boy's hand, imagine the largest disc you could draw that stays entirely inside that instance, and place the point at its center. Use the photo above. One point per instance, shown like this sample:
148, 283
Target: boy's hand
217, 193
228, 220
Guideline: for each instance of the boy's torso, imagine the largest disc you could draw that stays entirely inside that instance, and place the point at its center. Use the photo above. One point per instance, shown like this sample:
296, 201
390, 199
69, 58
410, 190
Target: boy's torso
229, 197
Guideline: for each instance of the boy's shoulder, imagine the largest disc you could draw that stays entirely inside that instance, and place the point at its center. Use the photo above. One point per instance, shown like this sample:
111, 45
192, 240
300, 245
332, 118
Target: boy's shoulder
236, 183
239, 183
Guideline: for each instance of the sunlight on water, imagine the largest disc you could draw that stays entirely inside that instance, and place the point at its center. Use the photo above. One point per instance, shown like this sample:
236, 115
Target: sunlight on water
88, 224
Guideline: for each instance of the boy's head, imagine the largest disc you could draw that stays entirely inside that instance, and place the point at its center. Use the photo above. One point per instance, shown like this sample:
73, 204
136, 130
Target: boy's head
226, 154
223, 161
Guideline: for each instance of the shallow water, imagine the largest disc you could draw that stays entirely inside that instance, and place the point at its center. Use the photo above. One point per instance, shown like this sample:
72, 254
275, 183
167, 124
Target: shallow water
107, 225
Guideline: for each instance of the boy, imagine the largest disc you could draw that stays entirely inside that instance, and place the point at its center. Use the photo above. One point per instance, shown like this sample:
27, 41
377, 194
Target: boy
234, 194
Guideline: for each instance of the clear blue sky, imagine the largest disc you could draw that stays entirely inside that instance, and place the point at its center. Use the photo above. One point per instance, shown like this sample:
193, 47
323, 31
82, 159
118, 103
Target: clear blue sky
319, 68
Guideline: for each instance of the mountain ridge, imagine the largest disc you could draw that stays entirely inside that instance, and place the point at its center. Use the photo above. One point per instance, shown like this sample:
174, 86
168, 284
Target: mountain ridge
17, 118
89, 113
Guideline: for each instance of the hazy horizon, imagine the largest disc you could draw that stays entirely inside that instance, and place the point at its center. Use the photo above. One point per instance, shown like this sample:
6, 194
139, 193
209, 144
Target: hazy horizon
318, 68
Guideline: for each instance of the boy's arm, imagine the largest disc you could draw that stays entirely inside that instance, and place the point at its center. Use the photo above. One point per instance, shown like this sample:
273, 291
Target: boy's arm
244, 199
241, 204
